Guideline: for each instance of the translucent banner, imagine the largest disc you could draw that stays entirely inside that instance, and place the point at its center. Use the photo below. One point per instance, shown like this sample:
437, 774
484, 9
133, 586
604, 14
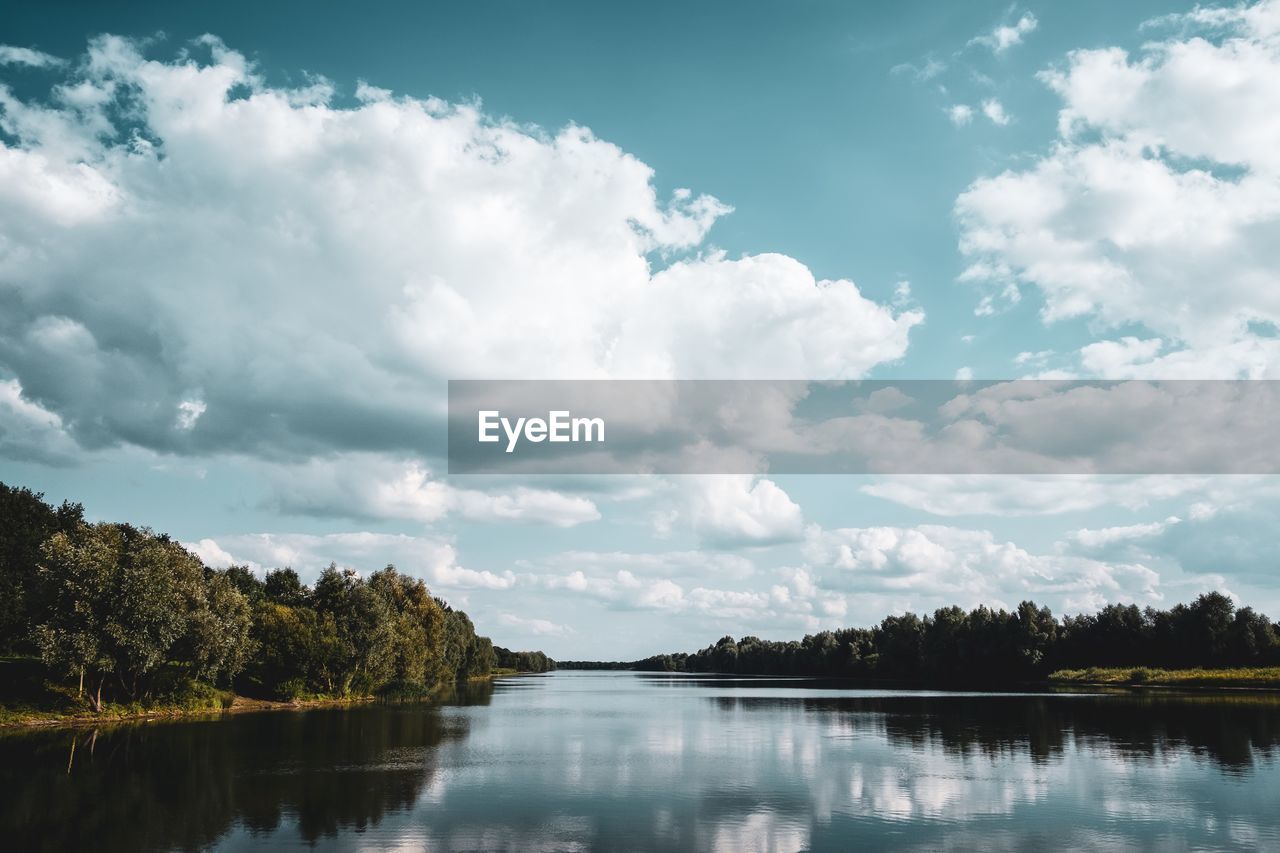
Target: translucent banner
863, 427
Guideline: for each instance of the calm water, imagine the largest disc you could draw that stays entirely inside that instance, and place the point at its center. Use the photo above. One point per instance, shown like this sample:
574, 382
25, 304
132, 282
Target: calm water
625, 761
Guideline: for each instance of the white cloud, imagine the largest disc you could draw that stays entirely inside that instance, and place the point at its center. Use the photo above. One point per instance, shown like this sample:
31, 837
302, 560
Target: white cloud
1006, 36
742, 510
933, 565
28, 430
318, 270
212, 554
536, 627
675, 584
1025, 358
1015, 496
30, 57
367, 485
694, 565
960, 114
189, 411
1092, 539
433, 560
923, 73
994, 111
1159, 205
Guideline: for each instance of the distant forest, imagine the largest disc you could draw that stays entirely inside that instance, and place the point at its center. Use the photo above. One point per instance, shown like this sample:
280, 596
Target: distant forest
994, 646
127, 615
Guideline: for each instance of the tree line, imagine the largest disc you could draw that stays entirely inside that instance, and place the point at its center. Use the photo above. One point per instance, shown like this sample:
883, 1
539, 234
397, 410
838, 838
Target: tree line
130, 615
522, 661
994, 646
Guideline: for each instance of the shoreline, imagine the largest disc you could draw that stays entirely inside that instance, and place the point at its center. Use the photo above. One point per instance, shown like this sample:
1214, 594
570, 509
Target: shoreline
239, 705
1108, 678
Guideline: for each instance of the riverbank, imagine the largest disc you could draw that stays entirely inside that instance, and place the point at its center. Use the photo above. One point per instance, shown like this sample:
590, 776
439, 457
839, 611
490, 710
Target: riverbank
17, 718
1241, 677
29, 700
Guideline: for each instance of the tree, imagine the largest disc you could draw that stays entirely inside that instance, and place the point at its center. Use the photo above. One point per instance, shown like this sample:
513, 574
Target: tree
283, 586
244, 580
1034, 633
121, 598
480, 657
364, 654
297, 651
26, 521
898, 641
418, 643
218, 643
458, 634
1210, 617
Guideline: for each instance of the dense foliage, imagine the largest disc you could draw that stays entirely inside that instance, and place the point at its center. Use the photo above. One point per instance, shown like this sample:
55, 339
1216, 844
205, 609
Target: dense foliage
522, 661
130, 615
26, 521
1000, 646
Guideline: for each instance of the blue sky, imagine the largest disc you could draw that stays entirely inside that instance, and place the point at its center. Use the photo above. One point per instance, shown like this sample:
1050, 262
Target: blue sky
234, 282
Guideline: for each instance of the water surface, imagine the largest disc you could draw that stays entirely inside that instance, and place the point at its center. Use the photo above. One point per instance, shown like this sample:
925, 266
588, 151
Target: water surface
629, 761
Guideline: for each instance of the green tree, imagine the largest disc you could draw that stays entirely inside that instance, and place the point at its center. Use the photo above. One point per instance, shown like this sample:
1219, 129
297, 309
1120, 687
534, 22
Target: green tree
364, 656
26, 521
120, 600
218, 643
244, 580
297, 651
418, 642
283, 586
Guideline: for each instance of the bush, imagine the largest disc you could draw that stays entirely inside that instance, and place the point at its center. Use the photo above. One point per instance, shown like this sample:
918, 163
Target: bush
192, 695
402, 689
293, 689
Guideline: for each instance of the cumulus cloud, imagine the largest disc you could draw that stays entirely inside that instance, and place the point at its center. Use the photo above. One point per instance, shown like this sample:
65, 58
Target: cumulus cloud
932, 565
433, 560
1158, 206
318, 270
742, 510
792, 601
30, 431
370, 485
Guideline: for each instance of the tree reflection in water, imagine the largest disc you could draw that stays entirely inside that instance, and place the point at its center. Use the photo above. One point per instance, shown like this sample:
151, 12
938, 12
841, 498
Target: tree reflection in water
1231, 730
646, 762
184, 785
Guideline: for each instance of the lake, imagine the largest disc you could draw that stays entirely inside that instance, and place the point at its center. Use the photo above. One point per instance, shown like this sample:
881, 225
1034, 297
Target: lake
633, 761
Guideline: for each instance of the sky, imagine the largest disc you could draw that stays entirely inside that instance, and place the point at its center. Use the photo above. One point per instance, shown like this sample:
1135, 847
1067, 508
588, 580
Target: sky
242, 250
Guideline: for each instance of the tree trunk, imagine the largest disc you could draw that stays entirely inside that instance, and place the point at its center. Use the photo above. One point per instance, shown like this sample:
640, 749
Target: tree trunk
80, 691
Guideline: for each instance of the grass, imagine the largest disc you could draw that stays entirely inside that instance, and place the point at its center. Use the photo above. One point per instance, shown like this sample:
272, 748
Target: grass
1264, 677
